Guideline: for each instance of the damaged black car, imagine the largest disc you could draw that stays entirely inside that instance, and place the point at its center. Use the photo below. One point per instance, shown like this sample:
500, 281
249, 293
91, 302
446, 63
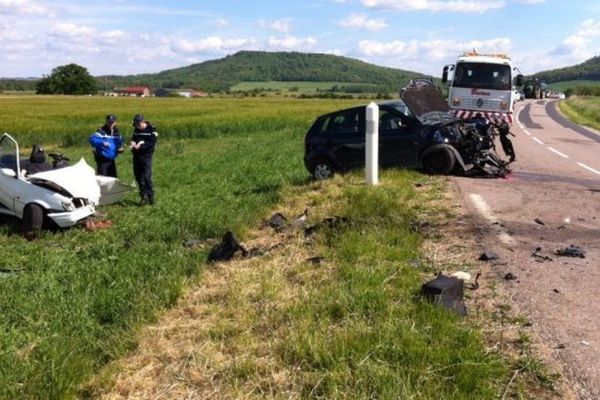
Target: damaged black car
416, 131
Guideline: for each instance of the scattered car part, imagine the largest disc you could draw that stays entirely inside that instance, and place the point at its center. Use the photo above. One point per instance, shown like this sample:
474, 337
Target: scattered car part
225, 250
539, 257
488, 255
571, 251
446, 291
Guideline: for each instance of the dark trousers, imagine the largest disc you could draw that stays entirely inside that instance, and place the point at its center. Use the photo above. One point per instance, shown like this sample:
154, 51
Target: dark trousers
106, 167
142, 169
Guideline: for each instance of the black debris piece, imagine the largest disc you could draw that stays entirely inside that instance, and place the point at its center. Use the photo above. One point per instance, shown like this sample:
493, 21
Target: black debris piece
510, 276
488, 256
539, 257
446, 291
556, 291
278, 222
539, 222
571, 251
7, 272
317, 260
225, 250
560, 346
475, 285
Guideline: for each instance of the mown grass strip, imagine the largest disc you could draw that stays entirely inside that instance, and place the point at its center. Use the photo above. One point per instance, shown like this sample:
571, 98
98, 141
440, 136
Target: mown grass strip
582, 110
350, 326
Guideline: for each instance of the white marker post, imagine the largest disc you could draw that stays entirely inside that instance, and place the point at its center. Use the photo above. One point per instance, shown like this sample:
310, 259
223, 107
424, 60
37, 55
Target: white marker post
372, 145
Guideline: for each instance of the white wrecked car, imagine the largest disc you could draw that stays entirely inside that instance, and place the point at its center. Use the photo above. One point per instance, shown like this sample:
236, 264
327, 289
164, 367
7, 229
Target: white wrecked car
63, 196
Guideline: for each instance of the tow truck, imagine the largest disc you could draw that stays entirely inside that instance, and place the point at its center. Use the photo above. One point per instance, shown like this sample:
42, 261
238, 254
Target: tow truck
482, 87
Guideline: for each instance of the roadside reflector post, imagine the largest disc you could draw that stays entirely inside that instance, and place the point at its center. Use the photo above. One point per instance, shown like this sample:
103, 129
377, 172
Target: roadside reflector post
372, 145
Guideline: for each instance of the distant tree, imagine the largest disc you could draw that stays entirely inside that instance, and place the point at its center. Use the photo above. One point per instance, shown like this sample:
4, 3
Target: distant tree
67, 79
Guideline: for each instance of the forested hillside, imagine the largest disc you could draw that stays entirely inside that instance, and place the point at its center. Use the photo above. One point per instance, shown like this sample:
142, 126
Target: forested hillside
255, 66
589, 70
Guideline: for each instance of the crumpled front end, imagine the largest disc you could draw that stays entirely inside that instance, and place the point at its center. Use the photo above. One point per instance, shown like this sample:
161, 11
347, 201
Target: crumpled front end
70, 218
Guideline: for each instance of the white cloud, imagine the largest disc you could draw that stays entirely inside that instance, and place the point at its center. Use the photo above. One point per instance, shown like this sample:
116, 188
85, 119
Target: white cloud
582, 45
68, 29
361, 21
23, 7
282, 25
291, 43
222, 23
425, 55
530, 1
467, 6
211, 44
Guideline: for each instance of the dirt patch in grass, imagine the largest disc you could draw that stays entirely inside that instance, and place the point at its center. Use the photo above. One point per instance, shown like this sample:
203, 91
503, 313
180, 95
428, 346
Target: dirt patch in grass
301, 321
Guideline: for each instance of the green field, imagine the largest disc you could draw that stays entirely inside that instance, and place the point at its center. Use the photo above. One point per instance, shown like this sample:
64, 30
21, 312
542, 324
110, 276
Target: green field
563, 86
222, 164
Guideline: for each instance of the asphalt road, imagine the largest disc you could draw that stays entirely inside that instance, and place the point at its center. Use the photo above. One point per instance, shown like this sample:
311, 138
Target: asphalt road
556, 180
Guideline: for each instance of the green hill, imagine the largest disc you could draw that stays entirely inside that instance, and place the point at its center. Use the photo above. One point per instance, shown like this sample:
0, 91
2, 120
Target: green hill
256, 66
586, 71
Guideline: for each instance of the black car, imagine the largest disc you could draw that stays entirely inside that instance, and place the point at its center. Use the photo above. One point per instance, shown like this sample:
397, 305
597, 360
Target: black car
417, 131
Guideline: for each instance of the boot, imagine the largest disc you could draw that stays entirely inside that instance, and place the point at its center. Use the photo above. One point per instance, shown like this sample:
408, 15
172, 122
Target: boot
144, 200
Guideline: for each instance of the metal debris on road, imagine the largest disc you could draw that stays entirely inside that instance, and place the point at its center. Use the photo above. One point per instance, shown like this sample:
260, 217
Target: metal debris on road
510, 276
539, 222
539, 257
571, 251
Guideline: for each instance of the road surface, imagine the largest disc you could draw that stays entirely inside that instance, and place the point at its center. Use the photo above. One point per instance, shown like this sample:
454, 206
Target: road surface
556, 180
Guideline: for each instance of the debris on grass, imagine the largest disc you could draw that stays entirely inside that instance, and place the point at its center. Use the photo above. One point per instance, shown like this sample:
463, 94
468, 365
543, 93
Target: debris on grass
92, 224
225, 250
446, 291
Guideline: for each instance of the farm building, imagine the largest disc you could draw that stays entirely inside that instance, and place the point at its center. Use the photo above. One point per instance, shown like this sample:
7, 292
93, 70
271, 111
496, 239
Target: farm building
134, 91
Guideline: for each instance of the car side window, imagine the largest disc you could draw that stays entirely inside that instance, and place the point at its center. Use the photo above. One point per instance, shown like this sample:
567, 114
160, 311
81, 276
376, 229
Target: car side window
347, 122
389, 121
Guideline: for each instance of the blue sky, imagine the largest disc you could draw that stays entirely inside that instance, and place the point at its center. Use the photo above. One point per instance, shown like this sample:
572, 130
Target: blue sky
134, 36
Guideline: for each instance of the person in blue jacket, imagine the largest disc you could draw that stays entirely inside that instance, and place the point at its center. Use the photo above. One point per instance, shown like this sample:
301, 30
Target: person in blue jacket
142, 147
108, 144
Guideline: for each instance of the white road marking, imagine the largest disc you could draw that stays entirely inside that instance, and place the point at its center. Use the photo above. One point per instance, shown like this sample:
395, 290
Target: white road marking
527, 132
537, 140
486, 212
595, 171
552, 149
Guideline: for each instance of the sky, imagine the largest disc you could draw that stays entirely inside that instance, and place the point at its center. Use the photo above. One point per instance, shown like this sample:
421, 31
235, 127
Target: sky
133, 36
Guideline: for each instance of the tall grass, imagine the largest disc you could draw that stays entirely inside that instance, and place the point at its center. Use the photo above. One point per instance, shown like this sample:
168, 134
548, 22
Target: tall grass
583, 110
80, 294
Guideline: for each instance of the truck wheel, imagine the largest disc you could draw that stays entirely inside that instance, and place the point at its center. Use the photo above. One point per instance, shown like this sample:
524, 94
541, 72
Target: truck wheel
33, 219
439, 162
322, 169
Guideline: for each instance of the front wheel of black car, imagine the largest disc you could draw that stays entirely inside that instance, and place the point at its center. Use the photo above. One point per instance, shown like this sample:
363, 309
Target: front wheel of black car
322, 169
440, 162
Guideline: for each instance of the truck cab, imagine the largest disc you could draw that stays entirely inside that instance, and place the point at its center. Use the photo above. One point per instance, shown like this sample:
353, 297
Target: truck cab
482, 86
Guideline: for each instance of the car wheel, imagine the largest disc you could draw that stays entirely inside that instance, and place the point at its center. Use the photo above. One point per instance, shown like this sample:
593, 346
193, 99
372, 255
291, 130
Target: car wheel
440, 162
33, 219
322, 169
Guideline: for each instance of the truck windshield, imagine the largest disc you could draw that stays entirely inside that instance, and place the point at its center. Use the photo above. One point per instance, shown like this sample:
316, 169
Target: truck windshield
482, 76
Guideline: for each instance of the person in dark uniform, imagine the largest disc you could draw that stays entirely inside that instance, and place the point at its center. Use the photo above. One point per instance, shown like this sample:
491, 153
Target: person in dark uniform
108, 144
507, 146
142, 146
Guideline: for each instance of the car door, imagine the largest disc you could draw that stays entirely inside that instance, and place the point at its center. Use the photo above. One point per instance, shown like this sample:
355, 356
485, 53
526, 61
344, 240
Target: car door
346, 136
399, 139
9, 167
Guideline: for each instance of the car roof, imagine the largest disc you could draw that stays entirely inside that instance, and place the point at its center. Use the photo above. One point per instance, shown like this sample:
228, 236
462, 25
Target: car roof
387, 104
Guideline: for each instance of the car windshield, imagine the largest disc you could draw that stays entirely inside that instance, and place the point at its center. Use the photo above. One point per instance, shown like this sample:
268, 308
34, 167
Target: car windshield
482, 76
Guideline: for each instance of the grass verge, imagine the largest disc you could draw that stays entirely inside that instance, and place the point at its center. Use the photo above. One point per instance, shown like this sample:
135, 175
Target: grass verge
335, 316
582, 110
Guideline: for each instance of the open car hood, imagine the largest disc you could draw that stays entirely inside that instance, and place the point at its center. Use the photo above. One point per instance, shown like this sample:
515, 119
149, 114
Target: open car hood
79, 180
426, 103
